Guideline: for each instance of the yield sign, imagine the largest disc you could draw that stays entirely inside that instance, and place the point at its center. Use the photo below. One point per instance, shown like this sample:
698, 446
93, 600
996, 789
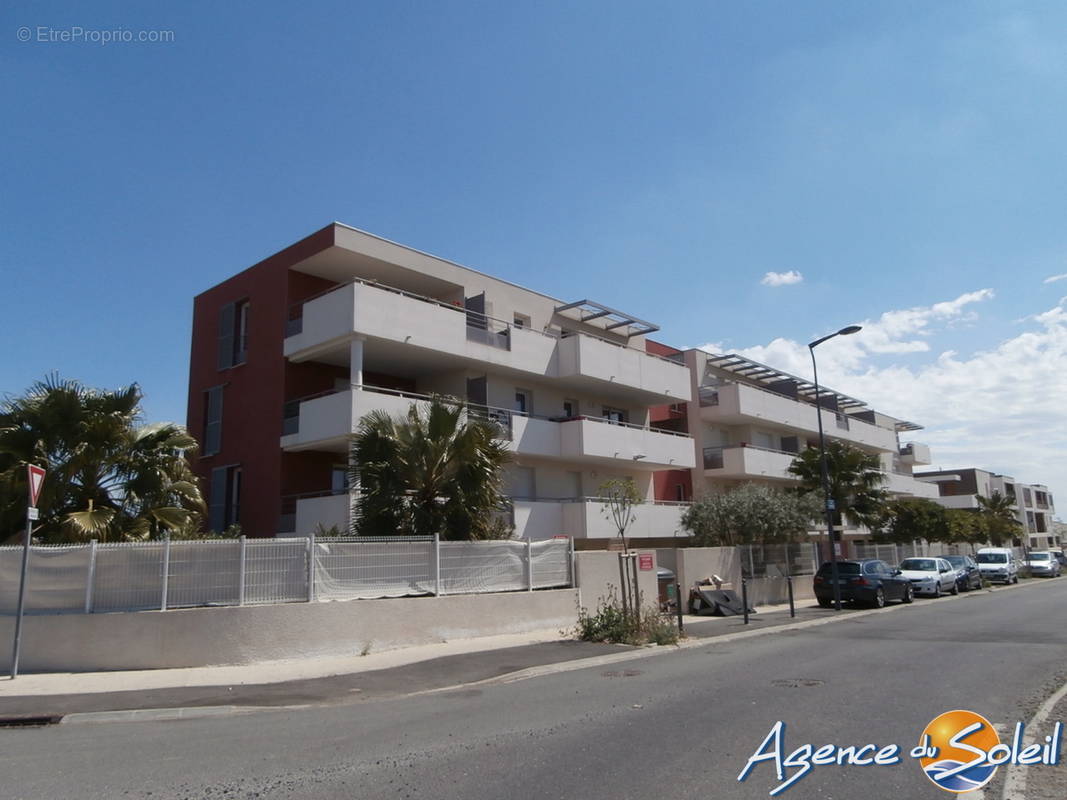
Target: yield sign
36, 480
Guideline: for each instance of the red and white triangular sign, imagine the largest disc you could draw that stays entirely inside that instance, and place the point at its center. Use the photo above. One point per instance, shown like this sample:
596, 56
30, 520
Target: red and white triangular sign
36, 480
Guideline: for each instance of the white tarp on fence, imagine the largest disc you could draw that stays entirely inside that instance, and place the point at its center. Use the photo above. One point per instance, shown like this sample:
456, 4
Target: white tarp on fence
183, 574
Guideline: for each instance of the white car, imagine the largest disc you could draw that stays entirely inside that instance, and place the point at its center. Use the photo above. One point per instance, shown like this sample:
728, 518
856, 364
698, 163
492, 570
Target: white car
1043, 563
932, 576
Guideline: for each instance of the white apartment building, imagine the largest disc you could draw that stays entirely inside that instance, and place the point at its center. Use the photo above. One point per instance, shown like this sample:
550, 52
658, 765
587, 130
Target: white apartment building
373, 325
1032, 503
749, 422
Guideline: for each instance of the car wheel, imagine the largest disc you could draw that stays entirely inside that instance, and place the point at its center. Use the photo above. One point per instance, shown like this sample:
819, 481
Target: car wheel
1015, 579
955, 589
825, 602
879, 597
908, 597
937, 589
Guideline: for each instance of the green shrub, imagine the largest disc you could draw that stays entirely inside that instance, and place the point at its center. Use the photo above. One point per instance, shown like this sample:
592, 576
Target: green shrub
610, 625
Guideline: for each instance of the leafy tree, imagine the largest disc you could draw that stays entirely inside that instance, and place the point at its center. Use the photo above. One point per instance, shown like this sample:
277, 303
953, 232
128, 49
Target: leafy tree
965, 526
108, 476
855, 481
1001, 524
437, 470
620, 495
751, 514
913, 518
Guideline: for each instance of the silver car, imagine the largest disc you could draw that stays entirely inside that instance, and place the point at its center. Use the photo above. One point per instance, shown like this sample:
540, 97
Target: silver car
932, 576
1043, 564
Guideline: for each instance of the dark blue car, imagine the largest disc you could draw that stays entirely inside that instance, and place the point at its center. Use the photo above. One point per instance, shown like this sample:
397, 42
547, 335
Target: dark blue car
871, 582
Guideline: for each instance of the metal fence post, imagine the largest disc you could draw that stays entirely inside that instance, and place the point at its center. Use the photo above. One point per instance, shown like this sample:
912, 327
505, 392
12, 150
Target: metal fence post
311, 567
90, 577
529, 565
678, 605
789, 585
437, 565
166, 573
574, 563
241, 564
744, 597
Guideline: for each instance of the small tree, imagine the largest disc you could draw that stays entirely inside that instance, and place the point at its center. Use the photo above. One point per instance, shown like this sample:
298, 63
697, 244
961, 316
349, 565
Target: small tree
968, 527
620, 495
750, 514
913, 518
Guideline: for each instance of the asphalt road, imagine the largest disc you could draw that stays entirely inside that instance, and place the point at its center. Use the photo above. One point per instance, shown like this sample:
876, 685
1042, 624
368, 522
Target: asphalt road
676, 725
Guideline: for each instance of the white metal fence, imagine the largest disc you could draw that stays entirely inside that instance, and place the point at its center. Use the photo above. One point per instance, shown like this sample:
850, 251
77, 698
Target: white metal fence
182, 574
778, 560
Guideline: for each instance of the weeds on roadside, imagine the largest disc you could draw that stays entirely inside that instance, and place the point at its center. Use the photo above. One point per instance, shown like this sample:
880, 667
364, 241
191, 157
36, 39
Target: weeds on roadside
611, 625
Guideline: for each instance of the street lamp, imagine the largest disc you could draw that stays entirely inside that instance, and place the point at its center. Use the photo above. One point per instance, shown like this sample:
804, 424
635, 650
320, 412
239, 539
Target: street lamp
828, 503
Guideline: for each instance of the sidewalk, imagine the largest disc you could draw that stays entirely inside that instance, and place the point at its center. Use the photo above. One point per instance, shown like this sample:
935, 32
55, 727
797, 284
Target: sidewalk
319, 681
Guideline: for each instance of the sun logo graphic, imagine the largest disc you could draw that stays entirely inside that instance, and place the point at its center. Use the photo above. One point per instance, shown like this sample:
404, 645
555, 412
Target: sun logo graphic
955, 747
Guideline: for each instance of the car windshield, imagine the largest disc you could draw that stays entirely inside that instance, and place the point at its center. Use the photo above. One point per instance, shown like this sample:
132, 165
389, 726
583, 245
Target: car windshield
919, 564
1040, 556
992, 558
956, 561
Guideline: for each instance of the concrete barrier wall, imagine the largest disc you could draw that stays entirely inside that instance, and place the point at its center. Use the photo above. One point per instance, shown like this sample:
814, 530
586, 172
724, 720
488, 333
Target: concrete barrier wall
198, 637
598, 574
694, 563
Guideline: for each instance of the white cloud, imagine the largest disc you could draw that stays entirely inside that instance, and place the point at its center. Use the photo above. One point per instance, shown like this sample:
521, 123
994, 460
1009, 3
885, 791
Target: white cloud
782, 278
1001, 409
1054, 278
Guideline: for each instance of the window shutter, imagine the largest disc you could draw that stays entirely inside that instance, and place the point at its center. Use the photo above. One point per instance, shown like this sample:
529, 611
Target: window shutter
226, 322
213, 421
217, 501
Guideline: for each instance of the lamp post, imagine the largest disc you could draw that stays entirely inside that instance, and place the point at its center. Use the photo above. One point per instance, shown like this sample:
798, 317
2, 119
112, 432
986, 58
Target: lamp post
828, 504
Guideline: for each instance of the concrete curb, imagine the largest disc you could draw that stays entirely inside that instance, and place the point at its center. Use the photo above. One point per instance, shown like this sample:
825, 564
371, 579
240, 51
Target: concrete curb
162, 714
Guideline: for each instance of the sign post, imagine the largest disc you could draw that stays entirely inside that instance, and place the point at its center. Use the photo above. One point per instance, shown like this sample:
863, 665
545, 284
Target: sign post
35, 479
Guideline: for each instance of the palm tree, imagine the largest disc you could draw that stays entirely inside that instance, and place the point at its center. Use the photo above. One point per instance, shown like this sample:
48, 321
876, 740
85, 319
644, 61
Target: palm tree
438, 470
108, 477
1000, 519
855, 480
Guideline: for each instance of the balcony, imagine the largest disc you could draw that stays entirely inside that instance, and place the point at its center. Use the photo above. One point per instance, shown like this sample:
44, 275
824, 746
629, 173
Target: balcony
324, 422
625, 445
588, 518
914, 453
897, 483
328, 322
741, 462
595, 363
740, 404
961, 501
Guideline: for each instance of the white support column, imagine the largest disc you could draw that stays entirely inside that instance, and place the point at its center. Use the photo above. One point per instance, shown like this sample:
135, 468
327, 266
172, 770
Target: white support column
356, 362
529, 565
166, 574
242, 564
437, 565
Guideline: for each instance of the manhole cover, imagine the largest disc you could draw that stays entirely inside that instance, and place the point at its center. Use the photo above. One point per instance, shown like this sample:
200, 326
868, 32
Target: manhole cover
626, 673
796, 683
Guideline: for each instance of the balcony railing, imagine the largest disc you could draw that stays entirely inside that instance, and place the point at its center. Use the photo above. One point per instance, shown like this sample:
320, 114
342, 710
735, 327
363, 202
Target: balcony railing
502, 417
713, 456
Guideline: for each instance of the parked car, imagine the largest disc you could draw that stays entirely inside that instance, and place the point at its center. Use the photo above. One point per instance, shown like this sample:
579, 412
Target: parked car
933, 576
998, 564
868, 581
1060, 557
968, 576
1043, 563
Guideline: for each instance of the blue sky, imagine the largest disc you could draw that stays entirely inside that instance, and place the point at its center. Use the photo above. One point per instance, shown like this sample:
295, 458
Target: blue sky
661, 158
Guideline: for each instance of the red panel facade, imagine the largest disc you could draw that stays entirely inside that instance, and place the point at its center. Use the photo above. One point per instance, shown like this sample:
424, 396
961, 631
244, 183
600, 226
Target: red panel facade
673, 484
253, 391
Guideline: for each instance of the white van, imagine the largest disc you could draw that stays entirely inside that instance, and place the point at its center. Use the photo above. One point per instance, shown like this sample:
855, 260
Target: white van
998, 564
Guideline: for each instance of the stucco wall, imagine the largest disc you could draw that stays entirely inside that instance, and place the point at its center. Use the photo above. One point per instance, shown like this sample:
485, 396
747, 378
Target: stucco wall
242, 635
598, 574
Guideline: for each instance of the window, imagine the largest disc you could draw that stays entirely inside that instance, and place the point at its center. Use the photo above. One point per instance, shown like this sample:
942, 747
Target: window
570, 408
339, 480
212, 439
233, 334
521, 321
224, 502
614, 415
679, 492
523, 401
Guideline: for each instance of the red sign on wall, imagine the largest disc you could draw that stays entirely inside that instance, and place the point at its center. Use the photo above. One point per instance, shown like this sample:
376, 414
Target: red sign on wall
644, 561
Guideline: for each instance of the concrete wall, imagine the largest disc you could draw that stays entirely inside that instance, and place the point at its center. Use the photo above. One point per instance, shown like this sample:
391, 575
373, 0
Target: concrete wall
598, 573
209, 636
690, 564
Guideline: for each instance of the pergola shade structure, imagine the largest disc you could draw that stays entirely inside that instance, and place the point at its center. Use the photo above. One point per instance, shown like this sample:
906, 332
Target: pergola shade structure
606, 318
